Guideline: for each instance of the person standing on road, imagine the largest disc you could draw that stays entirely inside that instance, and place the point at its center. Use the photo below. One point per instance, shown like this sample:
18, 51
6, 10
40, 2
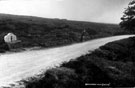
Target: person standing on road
82, 35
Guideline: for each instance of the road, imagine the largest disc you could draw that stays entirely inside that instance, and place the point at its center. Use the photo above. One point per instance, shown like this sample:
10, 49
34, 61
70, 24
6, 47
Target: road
17, 66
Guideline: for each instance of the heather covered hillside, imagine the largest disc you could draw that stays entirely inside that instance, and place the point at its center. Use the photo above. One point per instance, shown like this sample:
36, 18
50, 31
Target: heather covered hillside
43, 32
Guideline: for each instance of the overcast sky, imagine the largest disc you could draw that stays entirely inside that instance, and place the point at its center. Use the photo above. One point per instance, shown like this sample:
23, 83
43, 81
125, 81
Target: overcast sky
107, 11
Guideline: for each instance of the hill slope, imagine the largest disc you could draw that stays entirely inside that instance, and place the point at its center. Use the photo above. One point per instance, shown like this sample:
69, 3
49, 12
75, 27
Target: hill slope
35, 31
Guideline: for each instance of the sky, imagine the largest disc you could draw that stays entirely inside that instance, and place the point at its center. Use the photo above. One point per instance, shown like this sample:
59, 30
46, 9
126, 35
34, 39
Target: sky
106, 11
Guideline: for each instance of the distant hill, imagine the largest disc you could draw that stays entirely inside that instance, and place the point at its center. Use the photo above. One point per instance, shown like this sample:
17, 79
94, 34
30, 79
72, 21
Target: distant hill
36, 31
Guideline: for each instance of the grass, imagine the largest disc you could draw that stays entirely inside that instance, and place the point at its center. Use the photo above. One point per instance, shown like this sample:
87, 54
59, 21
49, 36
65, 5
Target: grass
43, 32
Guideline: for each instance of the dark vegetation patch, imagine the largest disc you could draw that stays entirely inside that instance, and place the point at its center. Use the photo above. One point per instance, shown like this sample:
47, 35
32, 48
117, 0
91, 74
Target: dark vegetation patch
35, 31
112, 64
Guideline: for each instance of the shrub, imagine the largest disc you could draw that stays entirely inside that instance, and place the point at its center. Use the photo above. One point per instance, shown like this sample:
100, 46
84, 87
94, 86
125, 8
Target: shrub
3, 46
57, 78
87, 71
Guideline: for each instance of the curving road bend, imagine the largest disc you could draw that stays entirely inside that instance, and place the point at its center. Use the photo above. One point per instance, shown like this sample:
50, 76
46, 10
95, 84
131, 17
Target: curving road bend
17, 66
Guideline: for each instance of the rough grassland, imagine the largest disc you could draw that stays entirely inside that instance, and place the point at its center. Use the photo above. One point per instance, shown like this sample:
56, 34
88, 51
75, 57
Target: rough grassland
43, 32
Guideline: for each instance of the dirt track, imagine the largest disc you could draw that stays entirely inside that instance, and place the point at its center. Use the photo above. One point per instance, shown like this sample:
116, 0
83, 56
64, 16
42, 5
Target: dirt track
17, 66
